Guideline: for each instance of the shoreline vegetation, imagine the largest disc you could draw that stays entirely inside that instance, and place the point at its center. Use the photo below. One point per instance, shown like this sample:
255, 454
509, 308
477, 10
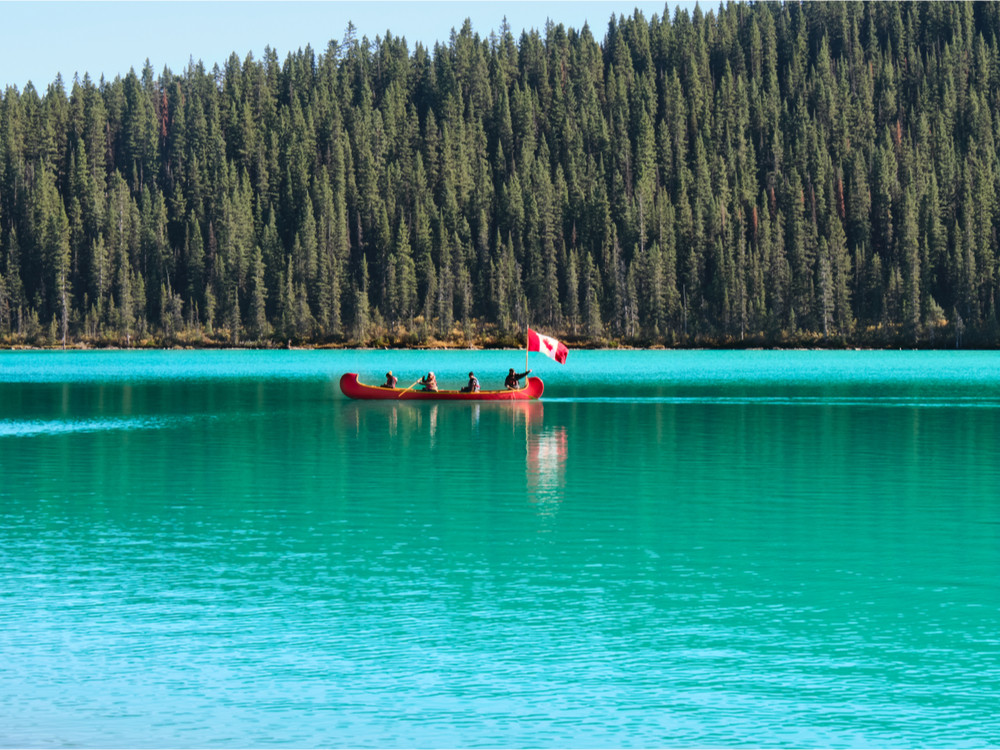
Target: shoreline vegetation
944, 337
817, 175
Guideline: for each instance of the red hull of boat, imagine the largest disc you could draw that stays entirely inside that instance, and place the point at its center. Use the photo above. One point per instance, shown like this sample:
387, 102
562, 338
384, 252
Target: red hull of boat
353, 389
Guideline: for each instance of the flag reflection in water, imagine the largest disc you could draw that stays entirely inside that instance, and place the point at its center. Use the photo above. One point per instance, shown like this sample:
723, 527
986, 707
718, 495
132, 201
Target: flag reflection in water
545, 450
546, 468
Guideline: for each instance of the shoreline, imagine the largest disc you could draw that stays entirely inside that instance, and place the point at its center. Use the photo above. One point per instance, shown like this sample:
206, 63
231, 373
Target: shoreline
590, 346
872, 338
942, 336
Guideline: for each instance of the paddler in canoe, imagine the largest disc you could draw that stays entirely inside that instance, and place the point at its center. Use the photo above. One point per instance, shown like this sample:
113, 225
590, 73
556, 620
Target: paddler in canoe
512, 379
473, 386
429, 382
390, 380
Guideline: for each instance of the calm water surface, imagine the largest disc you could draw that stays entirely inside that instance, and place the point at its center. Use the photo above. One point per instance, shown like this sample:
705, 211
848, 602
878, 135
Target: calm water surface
696, 549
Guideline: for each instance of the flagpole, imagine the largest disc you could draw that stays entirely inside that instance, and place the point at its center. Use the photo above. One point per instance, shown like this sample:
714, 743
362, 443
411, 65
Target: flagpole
527, 343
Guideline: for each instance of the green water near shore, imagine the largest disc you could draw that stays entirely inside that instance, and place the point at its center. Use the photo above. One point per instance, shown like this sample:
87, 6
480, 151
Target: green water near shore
671, 548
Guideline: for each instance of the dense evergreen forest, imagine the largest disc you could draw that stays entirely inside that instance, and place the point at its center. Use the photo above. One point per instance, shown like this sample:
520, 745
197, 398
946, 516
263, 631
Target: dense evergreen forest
762, 174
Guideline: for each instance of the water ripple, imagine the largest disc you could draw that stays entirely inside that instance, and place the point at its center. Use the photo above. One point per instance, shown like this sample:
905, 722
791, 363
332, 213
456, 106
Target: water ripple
921, 402
34, 427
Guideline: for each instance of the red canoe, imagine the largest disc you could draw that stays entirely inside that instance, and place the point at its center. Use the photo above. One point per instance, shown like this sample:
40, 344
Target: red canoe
353, 389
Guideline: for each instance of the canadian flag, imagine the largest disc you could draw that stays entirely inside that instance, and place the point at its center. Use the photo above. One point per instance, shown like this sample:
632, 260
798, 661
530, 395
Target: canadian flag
548, 346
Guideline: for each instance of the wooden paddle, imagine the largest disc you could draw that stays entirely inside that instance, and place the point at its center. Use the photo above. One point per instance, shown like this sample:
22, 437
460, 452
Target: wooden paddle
410, 386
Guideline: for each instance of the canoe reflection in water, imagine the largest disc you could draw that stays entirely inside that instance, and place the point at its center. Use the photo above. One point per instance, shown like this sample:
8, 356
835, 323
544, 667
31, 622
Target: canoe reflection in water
406, 417
480, 439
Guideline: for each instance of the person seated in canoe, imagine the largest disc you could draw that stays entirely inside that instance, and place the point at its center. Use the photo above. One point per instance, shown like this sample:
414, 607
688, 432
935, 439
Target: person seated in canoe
513, 377
390, 380
473, 386
429, 382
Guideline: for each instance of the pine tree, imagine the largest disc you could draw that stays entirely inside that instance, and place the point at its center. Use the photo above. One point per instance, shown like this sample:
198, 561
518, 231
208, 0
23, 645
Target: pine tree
362, 315
909, 252
4, 307
15, 288
58, 255
591, 301
405, 292
257, 325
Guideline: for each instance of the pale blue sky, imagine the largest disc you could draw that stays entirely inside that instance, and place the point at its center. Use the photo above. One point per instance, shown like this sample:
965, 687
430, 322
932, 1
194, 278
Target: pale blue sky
40, 39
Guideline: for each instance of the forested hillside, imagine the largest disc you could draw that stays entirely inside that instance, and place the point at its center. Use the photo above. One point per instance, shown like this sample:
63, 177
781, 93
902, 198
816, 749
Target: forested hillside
766, 173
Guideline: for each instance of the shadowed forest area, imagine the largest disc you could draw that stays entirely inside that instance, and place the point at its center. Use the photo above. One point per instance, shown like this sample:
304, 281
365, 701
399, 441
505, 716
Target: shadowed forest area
766, 174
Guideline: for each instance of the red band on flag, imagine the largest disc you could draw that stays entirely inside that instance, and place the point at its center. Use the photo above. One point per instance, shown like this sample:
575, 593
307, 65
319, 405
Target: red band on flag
548, 346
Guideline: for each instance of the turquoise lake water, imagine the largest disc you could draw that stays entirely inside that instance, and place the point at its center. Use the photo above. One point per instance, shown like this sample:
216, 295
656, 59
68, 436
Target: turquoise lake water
694, 549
